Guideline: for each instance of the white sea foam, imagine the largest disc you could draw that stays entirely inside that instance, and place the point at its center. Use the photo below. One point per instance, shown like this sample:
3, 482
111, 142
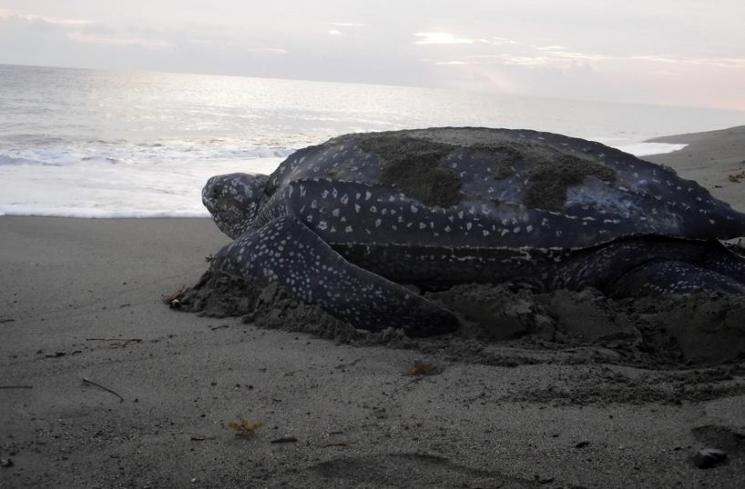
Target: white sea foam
90, 189
644, 149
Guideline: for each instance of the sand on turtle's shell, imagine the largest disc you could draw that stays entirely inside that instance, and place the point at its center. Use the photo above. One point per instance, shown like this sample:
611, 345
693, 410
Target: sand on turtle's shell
417, 167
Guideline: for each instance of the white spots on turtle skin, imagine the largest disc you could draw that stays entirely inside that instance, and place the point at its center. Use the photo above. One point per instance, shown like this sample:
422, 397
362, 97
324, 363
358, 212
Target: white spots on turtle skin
335, 212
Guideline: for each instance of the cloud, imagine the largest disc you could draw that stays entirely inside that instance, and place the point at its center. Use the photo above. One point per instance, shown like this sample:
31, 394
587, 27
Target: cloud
83, 31
498, 41
86, 32
19, 15
346, 24
334, 32
558, 56
277, 51
672, 60
82, 37
440, 38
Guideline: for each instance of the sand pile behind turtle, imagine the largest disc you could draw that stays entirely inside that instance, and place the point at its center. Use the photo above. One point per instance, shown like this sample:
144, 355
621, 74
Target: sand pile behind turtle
509, 325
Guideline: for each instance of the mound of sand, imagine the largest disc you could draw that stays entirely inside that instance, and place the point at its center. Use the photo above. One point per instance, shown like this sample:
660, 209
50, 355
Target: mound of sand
505, 324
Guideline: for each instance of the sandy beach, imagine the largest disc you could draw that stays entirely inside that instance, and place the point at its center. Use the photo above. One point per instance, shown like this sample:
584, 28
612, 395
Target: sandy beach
102, 385
715, 159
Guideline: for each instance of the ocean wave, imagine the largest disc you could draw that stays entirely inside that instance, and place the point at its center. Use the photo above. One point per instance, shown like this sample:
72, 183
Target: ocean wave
141, 155
644, 149
93, 213
93, 189
8, 160
101, 159
28, 139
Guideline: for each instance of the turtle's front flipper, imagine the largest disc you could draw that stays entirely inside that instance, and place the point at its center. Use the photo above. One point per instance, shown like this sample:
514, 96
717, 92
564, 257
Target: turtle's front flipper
287, 252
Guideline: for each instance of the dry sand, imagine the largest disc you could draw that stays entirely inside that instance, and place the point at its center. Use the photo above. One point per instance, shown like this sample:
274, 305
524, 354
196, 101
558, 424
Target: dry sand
81, 299
715, 159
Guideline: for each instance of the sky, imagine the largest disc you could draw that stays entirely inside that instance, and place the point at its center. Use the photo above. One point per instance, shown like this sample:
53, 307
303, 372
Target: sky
670, 52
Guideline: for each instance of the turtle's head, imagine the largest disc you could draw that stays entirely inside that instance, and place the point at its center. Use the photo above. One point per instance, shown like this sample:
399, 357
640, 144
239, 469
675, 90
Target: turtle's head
233, 200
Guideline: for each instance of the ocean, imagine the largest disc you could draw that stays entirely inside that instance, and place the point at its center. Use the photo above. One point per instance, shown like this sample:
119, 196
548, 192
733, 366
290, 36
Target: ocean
88, 143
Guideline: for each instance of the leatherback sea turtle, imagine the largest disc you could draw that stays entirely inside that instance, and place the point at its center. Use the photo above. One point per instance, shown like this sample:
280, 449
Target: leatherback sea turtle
345, 223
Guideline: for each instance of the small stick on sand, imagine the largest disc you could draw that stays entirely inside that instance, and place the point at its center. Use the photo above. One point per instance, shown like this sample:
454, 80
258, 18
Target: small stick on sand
90, 382
16, 386
124, 340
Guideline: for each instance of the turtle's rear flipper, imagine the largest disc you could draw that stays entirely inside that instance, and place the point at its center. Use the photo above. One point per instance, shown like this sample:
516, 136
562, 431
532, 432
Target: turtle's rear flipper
287, 252
673, 277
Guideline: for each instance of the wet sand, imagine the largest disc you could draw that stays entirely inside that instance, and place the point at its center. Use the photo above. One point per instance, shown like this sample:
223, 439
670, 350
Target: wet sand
81, 312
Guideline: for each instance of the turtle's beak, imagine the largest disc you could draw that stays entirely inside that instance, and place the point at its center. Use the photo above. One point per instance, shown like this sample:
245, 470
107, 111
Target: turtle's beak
210, 194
